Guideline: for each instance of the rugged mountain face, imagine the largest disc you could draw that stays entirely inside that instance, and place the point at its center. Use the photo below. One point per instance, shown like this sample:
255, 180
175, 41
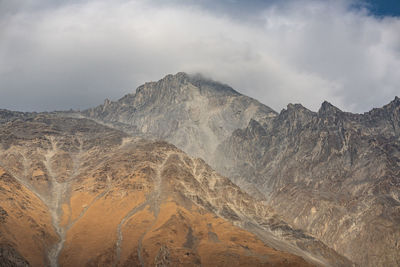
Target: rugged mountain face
193, 113
333, 174
76, 193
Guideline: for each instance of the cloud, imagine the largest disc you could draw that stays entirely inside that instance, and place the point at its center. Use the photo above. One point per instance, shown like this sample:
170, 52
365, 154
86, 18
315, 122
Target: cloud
74, 54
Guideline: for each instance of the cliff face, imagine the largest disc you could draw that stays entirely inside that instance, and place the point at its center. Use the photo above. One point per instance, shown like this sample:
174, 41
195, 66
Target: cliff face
333, 174
191, 112
76, 193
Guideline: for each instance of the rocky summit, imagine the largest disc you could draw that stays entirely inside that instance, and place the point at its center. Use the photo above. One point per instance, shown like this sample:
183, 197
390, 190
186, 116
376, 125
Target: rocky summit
191, 112
186, 171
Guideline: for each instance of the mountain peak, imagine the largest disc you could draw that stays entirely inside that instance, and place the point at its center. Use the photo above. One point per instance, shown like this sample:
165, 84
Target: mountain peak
296, 113
328, 109
295, 107
174, 82
180, 76
393, 104
177, 109
205, 84
396, 100
387, 110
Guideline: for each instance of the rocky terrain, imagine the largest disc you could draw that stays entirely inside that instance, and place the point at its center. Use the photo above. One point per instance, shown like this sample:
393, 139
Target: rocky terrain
330, 173
191, 112
98, 188
333, 174
77, 193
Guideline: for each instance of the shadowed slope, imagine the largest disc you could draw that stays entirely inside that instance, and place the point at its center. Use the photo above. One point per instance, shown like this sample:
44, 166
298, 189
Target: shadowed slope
333, 174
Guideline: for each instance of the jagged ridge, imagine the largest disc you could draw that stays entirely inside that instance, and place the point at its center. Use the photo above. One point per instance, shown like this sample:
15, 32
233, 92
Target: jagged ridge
331, 173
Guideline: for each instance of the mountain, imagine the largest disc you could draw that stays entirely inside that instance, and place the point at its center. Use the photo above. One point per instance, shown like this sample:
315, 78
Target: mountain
191, 112
78, 193
330, 173
333, 174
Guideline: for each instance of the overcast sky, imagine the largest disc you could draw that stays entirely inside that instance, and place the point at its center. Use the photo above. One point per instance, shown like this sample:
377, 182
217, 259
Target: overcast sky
74, 54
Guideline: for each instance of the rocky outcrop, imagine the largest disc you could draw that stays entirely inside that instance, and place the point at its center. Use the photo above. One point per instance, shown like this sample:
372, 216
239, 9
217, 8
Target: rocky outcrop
9, 257
84, 194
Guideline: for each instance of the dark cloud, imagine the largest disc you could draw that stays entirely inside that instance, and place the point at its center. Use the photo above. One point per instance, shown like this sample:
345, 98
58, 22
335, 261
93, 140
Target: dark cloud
74, 54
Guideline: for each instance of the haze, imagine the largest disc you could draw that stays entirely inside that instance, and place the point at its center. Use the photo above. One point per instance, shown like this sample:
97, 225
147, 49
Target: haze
57, 55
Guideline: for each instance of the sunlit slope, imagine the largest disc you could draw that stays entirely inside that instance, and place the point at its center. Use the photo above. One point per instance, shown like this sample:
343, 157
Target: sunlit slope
103, 198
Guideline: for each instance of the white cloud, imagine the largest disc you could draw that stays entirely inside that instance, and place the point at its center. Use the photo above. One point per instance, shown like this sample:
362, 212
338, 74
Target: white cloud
77, 54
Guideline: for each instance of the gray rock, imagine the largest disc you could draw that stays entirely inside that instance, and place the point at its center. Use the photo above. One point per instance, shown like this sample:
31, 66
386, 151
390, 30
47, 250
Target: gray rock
193, 113
331, 173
